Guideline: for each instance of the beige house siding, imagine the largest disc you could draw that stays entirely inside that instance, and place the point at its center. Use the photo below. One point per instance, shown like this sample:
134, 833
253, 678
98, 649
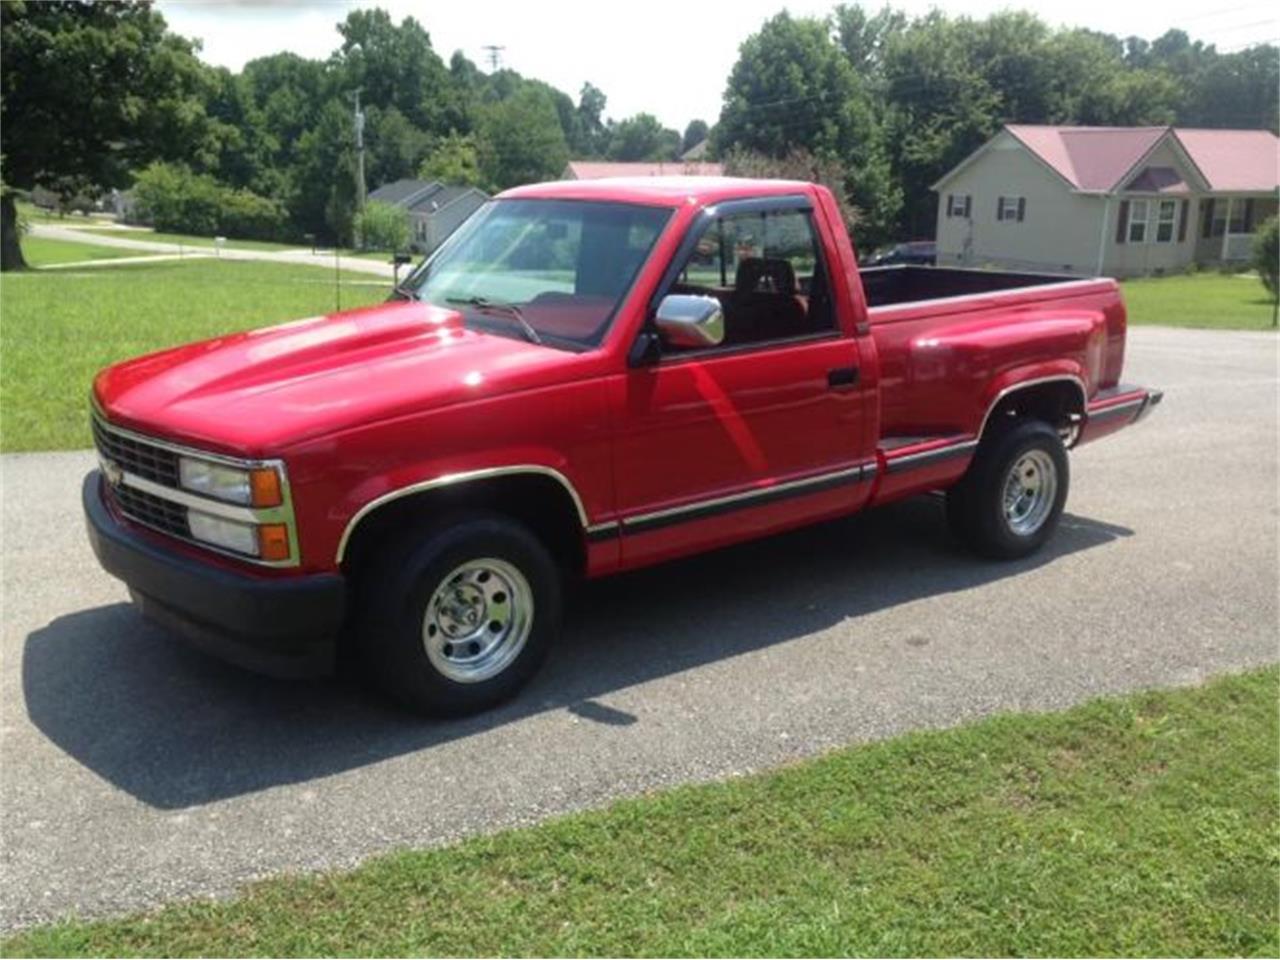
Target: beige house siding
1134, 259
1059, 231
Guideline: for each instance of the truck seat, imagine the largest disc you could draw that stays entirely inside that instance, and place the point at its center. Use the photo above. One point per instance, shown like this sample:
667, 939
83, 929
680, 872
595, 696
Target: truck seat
764, 305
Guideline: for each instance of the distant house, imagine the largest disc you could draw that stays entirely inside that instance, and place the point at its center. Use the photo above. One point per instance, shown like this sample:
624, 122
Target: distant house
598, 170
1121, 201
435, 210
696, 153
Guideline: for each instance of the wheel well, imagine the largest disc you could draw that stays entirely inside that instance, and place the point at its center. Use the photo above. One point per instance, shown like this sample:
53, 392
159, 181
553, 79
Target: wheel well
1059, 403
539, 502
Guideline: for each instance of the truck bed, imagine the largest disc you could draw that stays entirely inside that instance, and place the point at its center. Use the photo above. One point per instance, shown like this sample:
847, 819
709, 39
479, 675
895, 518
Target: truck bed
946, 337
887, 286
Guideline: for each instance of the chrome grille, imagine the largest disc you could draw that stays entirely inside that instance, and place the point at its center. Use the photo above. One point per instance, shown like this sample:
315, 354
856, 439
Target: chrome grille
136, 456
152, 511
142, 482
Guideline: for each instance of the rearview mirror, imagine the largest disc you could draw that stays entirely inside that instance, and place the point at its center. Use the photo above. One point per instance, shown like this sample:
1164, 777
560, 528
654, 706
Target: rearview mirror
685, 320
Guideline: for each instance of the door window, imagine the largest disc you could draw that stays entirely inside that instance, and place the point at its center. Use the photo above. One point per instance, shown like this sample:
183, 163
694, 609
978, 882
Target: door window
767, 271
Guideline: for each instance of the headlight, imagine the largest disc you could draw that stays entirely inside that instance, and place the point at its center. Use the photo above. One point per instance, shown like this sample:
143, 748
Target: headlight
255, 487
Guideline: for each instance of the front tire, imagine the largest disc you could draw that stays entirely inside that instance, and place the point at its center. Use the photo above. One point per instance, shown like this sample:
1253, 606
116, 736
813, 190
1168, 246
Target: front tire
457, 618
1009, 502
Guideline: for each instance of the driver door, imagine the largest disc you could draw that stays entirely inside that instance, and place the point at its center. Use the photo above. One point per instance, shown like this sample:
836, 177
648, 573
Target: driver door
766, 429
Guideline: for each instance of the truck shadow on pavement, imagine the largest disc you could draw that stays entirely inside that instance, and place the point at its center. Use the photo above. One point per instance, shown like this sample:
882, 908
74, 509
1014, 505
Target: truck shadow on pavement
176, 729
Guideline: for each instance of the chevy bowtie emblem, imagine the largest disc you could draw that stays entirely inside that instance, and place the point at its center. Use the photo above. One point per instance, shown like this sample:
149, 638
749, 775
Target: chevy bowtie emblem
112, 471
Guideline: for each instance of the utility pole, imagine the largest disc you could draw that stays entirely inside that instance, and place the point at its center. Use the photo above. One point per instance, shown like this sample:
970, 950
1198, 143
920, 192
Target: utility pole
360, 155
360, 187
495, 55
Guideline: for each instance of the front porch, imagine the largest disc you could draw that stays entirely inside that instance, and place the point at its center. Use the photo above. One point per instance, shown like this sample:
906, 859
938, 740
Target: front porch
1227, 225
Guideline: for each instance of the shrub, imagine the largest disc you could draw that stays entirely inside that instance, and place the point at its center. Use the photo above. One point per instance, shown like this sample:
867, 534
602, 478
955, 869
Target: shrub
246, 215
1266, 256
383, 226
175, 200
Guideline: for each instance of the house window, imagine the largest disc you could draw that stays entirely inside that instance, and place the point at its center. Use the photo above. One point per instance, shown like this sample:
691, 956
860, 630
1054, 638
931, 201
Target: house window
1011, 208
1166, 215
958, 205
1239, 216
1139, 210
1220, 216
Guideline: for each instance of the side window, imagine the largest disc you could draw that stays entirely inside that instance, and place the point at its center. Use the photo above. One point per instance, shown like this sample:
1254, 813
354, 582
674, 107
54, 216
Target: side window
1011, 208
1138, 221
767, 271
1167, 213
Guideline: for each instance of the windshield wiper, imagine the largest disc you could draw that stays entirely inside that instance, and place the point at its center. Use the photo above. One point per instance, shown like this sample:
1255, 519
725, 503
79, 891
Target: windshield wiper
503, 307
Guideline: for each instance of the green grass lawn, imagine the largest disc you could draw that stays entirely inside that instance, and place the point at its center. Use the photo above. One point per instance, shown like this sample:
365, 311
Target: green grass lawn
43, 252
1144, 825
58, 328
1215, 300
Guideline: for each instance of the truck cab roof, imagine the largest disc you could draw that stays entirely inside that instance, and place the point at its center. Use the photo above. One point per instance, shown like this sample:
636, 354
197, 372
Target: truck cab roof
658, 191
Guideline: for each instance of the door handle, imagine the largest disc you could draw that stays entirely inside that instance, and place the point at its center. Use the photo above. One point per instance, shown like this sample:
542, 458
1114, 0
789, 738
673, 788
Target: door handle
842, 377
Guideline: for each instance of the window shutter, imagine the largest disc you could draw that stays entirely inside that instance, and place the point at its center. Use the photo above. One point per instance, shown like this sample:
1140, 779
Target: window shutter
999, 208
968, 204
1206, 218
1122, 224
951, 204
1182, 222
1022, 208
1248, 215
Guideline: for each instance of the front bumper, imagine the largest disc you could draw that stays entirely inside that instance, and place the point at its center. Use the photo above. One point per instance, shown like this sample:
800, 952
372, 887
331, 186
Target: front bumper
287, 626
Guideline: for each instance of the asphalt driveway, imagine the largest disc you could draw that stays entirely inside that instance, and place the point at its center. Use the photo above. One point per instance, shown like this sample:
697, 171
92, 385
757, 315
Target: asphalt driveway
135, 771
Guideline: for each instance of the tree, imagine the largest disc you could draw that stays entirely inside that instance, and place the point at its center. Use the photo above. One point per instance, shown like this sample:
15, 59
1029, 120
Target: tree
863, 36
393, 66
798, 164
794, 93
643, 137
394, 147
89, 92
454, 159
521, 140
792, 87
941, 109
592, 136
694, 134
383, 226
322, 196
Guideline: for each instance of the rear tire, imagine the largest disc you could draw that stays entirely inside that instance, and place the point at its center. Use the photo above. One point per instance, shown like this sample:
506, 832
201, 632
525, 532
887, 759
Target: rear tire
1011, 499
456, 618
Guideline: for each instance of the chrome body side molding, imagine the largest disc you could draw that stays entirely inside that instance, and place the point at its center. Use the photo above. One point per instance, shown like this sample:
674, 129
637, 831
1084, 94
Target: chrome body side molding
452, 479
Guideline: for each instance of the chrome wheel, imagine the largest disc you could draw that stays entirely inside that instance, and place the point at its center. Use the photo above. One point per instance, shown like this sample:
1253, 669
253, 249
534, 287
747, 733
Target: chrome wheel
1030, 489
478, 620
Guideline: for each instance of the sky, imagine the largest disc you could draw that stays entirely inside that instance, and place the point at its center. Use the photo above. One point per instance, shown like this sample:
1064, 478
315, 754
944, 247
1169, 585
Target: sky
670, 58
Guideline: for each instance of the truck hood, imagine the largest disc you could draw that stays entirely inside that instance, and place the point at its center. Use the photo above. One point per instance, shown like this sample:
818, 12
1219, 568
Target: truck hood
255, 393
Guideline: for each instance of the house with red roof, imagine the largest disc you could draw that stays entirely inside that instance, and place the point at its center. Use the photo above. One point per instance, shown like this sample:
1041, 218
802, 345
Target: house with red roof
1118, 201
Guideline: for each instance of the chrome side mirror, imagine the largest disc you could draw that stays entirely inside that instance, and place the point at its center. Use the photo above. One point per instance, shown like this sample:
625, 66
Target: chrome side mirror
685, 320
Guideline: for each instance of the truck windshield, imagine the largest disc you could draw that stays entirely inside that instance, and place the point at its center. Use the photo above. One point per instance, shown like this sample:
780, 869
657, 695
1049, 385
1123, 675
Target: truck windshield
560, 267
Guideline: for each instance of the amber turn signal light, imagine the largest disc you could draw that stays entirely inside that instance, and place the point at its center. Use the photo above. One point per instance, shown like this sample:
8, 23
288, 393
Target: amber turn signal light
264, 486
273, 541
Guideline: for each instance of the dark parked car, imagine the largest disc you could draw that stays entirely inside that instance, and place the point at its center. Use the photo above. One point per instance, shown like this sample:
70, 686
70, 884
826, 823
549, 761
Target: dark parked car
918, 252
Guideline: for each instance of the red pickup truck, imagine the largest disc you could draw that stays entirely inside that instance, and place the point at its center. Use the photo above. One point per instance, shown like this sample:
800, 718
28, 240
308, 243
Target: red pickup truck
586, 378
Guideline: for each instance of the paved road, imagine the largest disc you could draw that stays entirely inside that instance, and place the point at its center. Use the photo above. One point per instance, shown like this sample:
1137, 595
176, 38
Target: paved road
126, 241
135, 771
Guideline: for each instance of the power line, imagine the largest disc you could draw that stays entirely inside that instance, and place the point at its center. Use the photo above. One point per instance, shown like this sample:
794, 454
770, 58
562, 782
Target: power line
494, 54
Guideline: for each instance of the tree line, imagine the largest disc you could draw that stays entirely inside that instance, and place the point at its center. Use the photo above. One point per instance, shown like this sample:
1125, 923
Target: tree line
878, 105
